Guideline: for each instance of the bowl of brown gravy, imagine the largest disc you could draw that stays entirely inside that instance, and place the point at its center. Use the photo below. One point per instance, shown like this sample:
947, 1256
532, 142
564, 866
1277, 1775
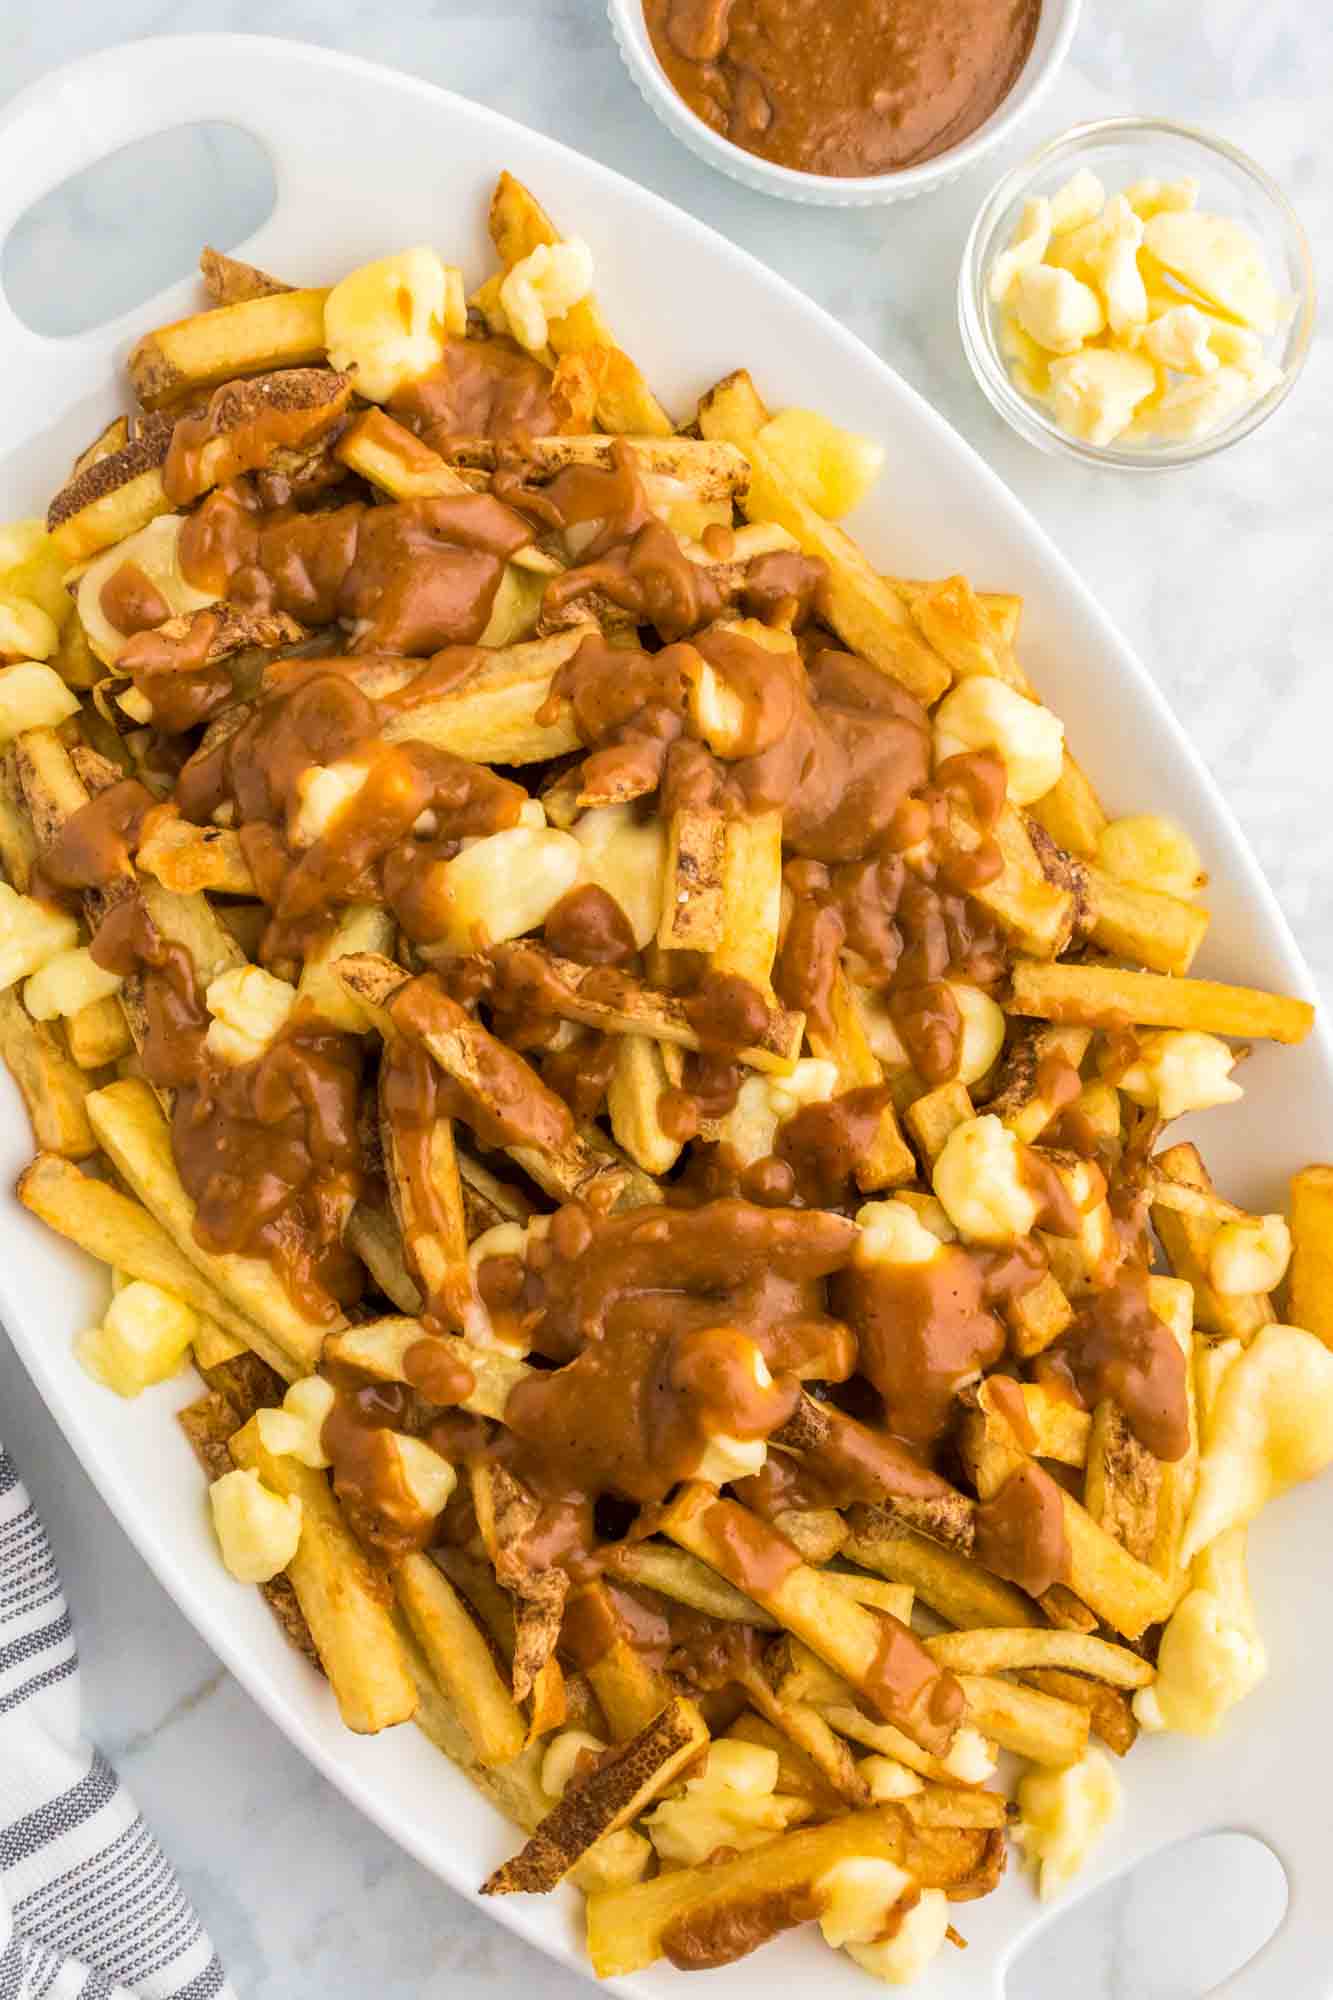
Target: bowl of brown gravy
842, 102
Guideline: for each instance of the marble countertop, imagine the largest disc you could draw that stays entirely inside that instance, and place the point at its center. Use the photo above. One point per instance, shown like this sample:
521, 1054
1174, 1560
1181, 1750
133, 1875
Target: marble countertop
1219, 577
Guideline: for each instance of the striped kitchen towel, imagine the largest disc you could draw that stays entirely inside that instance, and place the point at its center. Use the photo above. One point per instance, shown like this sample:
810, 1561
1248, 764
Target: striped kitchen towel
89, 1908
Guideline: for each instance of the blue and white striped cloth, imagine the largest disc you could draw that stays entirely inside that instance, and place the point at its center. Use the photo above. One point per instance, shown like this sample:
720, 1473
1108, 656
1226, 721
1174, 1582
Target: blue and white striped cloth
89, 1907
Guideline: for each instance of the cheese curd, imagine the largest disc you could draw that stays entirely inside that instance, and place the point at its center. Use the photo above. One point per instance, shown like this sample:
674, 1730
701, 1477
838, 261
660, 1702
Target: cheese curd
258, 1530
33, 696
1179, 1070
892, 1232
154, 549
1271, 1427
543, 286
387, 322
763, 1102
1137, 318
731, 1801
1151, 851
31, 935
322, 791
427, 1475
249, 1008
1063, 1814
26, 631
858, 1898
66, 983
902, 1959
833, 468
1211, 1655
983, 1031
979, 1178
625, 854
296, 1428
504, 885
726, 1458
144, 1338
1250, 1255
885, 1778
983, 713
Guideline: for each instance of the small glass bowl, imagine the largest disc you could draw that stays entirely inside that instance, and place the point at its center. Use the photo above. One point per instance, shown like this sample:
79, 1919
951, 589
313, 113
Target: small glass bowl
1118, 151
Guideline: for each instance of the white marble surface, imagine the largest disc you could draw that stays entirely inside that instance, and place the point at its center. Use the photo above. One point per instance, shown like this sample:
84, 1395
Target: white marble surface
1218, 575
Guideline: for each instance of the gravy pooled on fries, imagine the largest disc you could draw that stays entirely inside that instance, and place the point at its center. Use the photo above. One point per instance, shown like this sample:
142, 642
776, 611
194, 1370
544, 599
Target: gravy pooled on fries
623, 1044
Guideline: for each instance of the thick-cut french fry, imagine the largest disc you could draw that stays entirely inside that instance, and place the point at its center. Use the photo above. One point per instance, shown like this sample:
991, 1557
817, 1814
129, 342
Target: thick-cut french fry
709, 469
693, 891
427, 1197
847, 1636
340, 1594
113, 497
116, 1230
805, 1728
1038, 914
1310, 1285
460, 1659
1037, 1317
394, 459
18, 842
1122, 1481
864, 610
1109, 1713
961, 626
380, 1348
609, 1797
277, 330
1039, 1726
228, 280
1071, 812
642, 1074
931, 1117
1172, 1301
1186, 1234
692, 1916
1160, 931
999, 1651
372, 1234
518, 225
131, 1130
951, 1583
490, 714
888, 1162
1035, 1082
632, 1009
185, 858
1096, 994
54, 1089
97, 1034
1034, 1419
1125, 1593
673, 1573
751, 899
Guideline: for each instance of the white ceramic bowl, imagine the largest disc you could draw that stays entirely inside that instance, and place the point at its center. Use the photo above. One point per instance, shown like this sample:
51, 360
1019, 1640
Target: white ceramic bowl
1055, 31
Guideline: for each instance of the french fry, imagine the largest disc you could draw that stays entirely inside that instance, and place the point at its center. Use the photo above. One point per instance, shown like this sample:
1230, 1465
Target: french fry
1037, 1317
1186, 1234
273, 330
931, 1117
1109, 1713
518, 224
641, 1010
954, 1585
1030, 1418
97, 1034
958, 624
642, 1073
1038, 914
18, 842
427, 1198
799, 1777
1310, 1284
1031, 1724
490, 714
1172, 1300
692, 1915
888, 1162
53, 1088
751, 899
710, 470
112, 497
1121, 1481
1000, 1651
693, 893
806, 1730
228, 280
672, 1573
1156, 930
394, 459
185, 858
1071, 812
341, 1596
460, 1659
847, 1636
1094, 994
865, 612
121, 1233
131, 1130
613, 1795
373, 1235
1125, 1593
